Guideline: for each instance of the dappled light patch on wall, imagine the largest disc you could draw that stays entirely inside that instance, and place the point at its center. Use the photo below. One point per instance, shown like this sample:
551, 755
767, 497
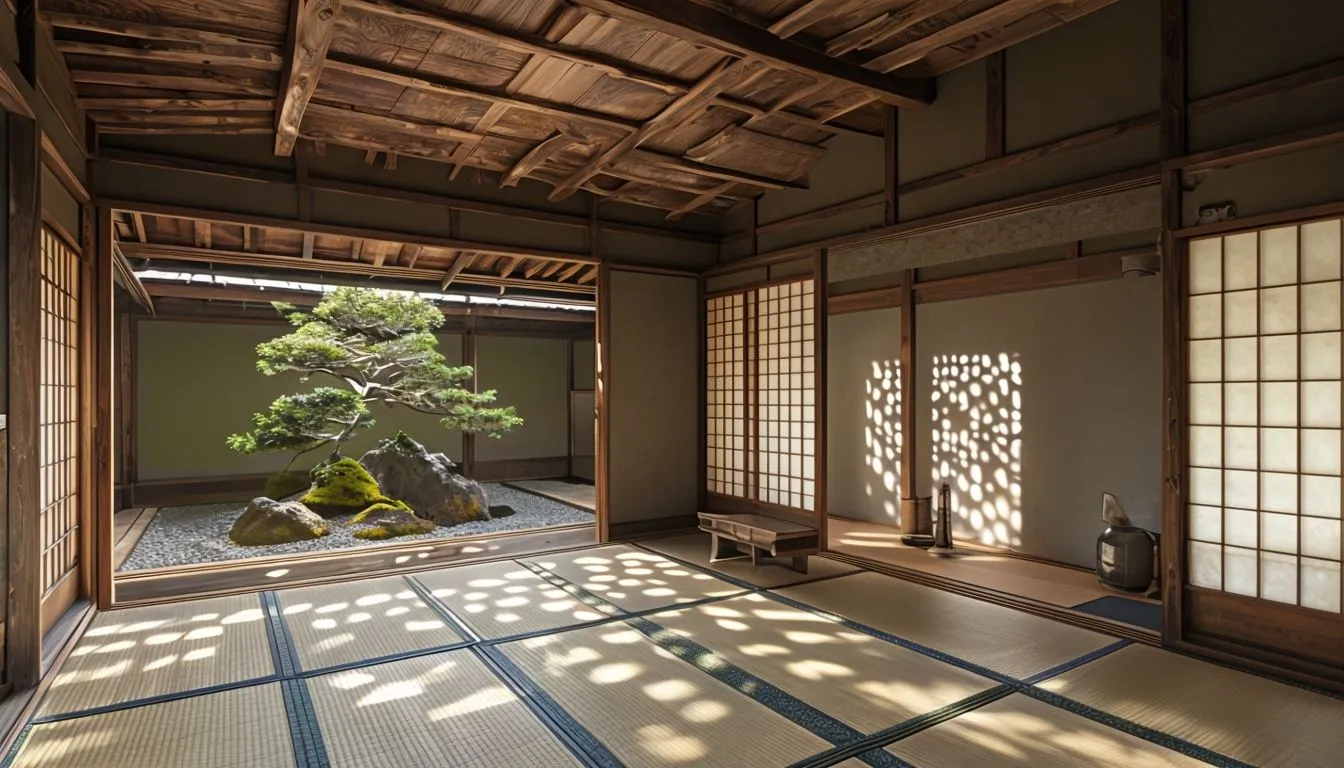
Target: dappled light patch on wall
882, 438
977, 443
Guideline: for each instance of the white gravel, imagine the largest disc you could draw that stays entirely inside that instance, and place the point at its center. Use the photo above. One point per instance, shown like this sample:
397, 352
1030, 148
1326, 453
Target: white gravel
200, 533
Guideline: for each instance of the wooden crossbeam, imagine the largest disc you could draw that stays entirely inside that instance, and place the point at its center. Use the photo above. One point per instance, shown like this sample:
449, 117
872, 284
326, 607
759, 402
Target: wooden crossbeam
312, 25
246, 55
808, 14
948, 59
307, 245
206, 82
691, 21
552, 268
887, 26
202, 233
130, 280
462, 261
701, 200
138, 221
987, 20
410, 254
533, 268
142, 31
723, 76
590, 275
135, 103
539, 155
570, 271
508, 264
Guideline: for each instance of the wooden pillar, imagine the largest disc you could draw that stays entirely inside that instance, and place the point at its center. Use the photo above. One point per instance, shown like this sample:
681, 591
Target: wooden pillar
603, 401
996, 111
1172, 144
910, 524
469, 358
126, 326
702, 397
102, 392
821, 293
23, 631
891, 165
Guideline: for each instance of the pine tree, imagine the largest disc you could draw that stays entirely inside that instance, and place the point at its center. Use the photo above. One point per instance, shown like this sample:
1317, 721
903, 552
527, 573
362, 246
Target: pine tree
382, 347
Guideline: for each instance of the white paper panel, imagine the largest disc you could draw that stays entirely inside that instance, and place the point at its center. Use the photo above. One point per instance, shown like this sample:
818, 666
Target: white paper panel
1206, 446
1206, 316
1278, 310
1320, 496
1278, 256
1320, 585
1206, 265
1206, 565
1320, 538
1206, 523
1240, 313
1206, 486
1320, 251
1278, 358
1206, 403
1206, 360
1239, 571
1240, 489
1320, 307
1240, 448
1239, 404
1278, 404
1239, 260
1278, 577
1278, 449
1241, 359
1241, 528
1321, 451
1320, 404
1321, 356
1278, 533
1278, 492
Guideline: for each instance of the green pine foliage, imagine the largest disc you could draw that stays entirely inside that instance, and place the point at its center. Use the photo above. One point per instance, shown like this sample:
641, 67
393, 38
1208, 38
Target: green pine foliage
382, 348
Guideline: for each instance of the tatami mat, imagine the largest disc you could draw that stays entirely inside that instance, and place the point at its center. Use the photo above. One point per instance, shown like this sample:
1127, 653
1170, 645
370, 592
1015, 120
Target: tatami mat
1008, 641
865, 682
694, 548
1021, 731
352, 621
447, 709
632, 578
137, 653
574, 494
242, 728
1243, 716
652, 709
502, 599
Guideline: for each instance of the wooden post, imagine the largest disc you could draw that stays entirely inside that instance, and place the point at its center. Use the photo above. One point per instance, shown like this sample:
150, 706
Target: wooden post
1172, 144
23, 635
821, 291
702, 397
996, 111
103, 298
603, 401
469, 358
909, 443
891, 165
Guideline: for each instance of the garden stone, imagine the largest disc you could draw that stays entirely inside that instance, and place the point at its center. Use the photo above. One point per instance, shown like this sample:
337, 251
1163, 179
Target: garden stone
267, 521
342, 487
386, 521
428, 482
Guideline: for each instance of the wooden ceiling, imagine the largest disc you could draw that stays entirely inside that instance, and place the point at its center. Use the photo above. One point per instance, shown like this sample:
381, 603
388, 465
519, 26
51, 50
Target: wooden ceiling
162, 240
680, 105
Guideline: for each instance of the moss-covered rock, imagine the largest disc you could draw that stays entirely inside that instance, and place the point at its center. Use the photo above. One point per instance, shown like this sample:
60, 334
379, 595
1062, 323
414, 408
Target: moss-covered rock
389, 520
282, 485
266, 521
342, 487
429, 482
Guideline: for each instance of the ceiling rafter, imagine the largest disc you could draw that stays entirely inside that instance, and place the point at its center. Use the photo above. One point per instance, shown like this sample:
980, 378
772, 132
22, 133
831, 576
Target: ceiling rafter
989, 19
312, 25
887, 26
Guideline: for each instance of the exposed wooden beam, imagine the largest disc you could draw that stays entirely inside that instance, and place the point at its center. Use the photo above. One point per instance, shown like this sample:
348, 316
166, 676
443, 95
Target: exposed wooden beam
1260, 149
463, 261
723, 76
410, 254
701, 200
996, 106
246, 55
1302, 78
887, 26
570, 271
307, 245
16, 95
247, 237
987, 20
312, 25
136, 103
508, 264
976, 48
55, 162
130, 280
203, 232
810, 13
139, 221
535, 267
590, 275
544, 151
208, 81
690, 21
552, 268
138, 31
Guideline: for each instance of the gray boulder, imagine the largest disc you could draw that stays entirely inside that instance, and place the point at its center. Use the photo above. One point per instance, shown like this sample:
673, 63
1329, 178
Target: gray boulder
428, 482
267, 521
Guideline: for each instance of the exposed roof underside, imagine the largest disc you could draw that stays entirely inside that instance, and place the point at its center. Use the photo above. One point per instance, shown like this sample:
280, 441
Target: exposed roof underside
160, 241
673, 104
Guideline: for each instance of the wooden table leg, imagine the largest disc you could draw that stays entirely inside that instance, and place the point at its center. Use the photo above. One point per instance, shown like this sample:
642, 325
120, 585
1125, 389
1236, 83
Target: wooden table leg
800, 564
721, 548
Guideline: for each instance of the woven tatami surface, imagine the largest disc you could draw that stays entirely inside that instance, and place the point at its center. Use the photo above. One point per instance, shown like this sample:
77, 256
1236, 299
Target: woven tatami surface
504, 599
1005, 640
865, 682
1249, 718
651, 709
1022, 731
137, 653
433, 711
336, 624
694, 548
632, 578
243, 728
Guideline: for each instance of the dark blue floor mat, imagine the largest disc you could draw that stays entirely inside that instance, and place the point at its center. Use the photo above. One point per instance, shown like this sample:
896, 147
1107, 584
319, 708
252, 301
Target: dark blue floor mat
1138, 613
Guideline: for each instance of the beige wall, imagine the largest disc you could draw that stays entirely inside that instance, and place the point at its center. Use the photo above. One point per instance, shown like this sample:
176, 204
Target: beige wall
197, 383
654, 415
863, 416
1065, 385
585, 364
529, 374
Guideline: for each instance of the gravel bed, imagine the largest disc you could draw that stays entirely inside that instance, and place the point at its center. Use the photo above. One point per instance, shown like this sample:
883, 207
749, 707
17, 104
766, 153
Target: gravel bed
200, 533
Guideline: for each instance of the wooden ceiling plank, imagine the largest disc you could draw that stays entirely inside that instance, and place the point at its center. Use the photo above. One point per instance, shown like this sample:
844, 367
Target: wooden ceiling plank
202, 233
134, 103
726, 74
589, 276
805, 16
987, 20
569, 272
948, 59
887, 26
249, 56
692, 21
534, 267
143, 31
508, 265
462, 261
552, 268
410, 254
539, 155
139, 220
312, 25
701, 201
207, 81
356, 117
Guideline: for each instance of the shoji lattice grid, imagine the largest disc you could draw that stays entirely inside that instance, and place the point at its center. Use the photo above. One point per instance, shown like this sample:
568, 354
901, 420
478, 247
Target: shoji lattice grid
725, 428
785, 397
58, 411
1264, 420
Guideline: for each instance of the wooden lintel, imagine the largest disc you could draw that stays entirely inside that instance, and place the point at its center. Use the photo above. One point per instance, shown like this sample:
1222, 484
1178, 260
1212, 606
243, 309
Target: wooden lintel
130, 280
708, 26
1259, 149
312, 25
1302, 78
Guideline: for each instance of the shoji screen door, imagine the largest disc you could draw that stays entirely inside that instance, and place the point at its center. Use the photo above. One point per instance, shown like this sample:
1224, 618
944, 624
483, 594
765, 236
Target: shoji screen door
1264, 418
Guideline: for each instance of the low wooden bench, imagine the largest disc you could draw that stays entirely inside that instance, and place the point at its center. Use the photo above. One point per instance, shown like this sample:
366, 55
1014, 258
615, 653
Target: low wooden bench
765, 537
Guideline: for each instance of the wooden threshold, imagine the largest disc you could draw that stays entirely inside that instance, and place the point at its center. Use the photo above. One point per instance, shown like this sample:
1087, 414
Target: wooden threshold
995, 597
264, 573
18, 707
